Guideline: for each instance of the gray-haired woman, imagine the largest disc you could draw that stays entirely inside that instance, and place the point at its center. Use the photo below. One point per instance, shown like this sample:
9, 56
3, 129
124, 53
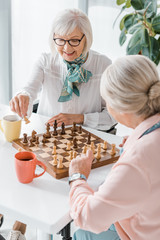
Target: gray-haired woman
68, 77
129, 196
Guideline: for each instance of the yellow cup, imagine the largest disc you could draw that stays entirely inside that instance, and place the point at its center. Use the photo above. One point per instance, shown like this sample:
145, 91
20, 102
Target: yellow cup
11, 127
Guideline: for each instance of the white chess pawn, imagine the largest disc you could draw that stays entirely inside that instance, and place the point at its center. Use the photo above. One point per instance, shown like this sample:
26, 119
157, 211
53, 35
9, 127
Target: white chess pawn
98, 151
105, 145
84, 149
55, 160
70, 155
54, 150
60, 164
93, 147
68, 146
113, 149
74, 154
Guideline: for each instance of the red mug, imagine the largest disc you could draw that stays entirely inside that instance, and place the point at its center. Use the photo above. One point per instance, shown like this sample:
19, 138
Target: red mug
25, 164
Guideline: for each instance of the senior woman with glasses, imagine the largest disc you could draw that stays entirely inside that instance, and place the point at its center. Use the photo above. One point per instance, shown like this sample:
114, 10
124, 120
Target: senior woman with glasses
68, 77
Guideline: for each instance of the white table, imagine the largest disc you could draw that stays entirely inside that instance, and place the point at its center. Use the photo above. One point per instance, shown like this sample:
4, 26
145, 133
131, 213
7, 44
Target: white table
44, 203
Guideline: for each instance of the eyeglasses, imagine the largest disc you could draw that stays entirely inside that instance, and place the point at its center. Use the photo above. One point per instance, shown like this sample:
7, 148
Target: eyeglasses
72, 42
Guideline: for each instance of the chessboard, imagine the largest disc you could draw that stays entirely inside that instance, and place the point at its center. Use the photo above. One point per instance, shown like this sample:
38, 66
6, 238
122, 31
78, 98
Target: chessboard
57, 148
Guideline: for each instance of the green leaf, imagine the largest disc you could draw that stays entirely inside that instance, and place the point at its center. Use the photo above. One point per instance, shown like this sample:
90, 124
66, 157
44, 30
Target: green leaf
137, 41
152, 8
152, 51
122, 37
119, 2
121, 25
138, 4
144, 37
122, 9
134, 45
135, 27
129, 21
156, 23
128, 3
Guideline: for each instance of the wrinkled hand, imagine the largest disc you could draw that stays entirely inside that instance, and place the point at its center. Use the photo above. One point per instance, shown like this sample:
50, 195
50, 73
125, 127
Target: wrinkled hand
82, 164
68, 119
19, 104
124, 140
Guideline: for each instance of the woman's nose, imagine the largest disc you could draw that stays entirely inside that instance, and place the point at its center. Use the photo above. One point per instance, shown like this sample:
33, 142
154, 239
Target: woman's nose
67, 46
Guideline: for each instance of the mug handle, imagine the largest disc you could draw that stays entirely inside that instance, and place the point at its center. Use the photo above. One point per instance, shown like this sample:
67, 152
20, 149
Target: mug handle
1, 126
43, 166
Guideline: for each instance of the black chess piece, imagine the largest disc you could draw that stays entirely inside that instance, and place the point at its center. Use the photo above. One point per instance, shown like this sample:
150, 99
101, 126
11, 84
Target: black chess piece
62, 128
74, 142
89, 138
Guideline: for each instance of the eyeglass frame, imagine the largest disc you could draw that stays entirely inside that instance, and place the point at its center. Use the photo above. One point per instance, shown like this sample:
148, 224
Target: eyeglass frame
68, 41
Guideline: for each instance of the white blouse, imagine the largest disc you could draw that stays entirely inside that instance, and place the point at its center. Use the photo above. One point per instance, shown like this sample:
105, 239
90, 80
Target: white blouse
48, 76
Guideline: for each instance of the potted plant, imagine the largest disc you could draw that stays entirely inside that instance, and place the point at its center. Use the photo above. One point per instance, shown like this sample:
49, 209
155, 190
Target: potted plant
143, 26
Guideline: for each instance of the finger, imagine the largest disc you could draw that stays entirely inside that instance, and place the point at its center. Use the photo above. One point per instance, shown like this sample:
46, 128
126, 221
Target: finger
11, 103
23, 103
89, 154
16, 105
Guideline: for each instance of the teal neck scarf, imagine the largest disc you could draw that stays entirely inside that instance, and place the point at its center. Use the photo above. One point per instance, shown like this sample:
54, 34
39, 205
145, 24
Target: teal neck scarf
76, 75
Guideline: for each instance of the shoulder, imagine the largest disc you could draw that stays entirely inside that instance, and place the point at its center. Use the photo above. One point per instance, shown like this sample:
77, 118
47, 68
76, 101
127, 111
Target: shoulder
99, 56
97, 62
47, 60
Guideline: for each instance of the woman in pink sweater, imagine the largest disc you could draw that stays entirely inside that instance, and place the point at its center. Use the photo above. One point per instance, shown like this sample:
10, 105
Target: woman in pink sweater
130, 196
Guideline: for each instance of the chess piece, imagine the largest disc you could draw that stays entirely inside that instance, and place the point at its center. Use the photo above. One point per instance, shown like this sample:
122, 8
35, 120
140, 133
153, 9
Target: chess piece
80, 129
54, 150
31, 142
98, 156
84, 149
34, 135
54, 160
44, 140
92, 147
55, 123
55, 128
105, 145
37, 140
74, 154
68, 148
74, 128
25, 139
62, 128
26, 120
72, 132
48, 134
60, 164
70, 155
55, 143
74, 142
89, 138
113, 149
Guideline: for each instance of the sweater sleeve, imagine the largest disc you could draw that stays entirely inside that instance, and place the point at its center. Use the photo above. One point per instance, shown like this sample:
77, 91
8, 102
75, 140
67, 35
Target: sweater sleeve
119, 197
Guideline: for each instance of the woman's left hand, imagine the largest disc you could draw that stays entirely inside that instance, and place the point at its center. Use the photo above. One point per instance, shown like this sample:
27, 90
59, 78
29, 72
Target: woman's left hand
82, 164
68, 119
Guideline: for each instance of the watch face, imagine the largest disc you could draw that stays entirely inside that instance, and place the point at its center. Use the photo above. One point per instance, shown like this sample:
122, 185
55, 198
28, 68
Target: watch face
76, 176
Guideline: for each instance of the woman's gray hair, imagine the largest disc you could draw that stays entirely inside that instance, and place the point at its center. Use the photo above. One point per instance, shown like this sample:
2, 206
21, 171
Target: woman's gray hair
132, 84
65, 23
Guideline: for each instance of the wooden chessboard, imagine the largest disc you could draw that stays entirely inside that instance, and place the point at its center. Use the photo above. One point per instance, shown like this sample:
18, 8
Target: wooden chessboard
44, 151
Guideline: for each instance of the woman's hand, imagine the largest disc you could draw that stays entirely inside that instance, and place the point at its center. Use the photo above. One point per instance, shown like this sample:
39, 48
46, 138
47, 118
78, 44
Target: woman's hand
82, 164
19, 104
68, 119
124, 140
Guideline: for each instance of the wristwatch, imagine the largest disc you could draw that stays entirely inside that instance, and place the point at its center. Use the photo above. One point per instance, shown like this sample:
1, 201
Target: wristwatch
76, 176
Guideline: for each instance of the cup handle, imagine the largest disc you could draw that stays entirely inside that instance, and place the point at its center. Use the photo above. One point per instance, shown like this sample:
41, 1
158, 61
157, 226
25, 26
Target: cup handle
1, 126
43, 166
